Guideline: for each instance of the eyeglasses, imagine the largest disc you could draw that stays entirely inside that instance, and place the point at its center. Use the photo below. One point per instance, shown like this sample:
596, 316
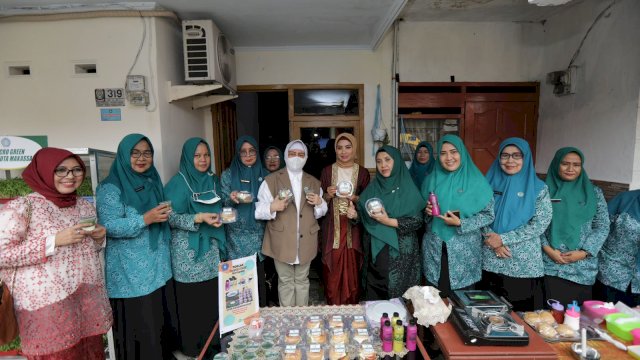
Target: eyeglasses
515, 156
248, 153
276, 157
64, 172
137, 153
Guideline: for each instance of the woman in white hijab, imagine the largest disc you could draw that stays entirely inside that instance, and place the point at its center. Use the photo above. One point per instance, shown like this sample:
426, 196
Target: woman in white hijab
291, 199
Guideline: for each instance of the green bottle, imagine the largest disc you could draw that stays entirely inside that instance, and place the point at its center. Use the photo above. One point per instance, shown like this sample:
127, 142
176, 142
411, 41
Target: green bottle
398, 337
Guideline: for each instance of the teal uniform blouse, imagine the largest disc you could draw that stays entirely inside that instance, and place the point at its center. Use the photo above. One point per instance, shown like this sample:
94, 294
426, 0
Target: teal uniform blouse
524, 243
132, 267
618, 257
464, 250
592, 236
243, 238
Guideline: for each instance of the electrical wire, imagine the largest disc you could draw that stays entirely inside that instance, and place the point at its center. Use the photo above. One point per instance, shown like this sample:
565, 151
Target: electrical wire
575, 55
144, 36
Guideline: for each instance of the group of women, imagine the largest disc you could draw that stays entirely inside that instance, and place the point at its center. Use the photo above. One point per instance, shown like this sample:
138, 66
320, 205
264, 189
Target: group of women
508, 231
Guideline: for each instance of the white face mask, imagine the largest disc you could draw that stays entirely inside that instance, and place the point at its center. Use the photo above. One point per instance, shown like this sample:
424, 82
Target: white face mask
209, 201
295, 163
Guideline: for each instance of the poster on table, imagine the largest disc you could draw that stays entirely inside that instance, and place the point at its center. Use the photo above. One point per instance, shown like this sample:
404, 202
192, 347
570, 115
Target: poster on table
238, 293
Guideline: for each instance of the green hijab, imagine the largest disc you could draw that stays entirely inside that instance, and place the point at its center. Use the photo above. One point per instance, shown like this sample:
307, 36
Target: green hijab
577, 203
465, 189
180, 190
400, 198
142, 191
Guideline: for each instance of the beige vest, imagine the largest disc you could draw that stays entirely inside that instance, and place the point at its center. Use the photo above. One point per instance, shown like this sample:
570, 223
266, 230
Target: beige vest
280, 240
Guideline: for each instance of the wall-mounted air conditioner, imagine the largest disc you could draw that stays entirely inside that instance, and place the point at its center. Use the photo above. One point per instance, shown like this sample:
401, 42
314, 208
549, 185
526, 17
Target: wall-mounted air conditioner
208, 55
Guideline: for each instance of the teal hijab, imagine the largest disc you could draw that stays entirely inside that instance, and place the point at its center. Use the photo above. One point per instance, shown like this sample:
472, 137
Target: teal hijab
515, 195
247, 178
627, 202
400, 198
464, 189
577, 203
142, 191
189, 184
281, 162
419, 171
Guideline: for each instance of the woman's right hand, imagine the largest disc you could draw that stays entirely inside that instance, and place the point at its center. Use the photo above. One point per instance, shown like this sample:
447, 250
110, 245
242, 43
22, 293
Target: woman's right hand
158, 214
351, 211
234, 197
554, 254
70, 235
212, 219
428, 209
278, 204
331, 191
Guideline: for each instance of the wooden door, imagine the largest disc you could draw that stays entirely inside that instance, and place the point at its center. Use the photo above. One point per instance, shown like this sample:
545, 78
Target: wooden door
487, 123
225, 133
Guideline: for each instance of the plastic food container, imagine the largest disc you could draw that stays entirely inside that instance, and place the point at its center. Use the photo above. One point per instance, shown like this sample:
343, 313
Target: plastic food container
344, 189
244, 197
596, 310
621, 324
374, 206
228, 215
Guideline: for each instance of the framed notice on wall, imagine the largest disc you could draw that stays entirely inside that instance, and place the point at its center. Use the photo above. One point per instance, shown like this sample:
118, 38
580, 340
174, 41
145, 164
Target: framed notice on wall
238, 300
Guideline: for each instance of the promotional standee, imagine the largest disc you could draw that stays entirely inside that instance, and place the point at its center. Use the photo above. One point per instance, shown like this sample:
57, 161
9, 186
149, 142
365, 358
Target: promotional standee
238, 295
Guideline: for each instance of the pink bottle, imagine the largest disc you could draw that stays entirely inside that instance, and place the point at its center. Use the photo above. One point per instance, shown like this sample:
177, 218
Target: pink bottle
385, 317
387, 337
412, 335
433, 200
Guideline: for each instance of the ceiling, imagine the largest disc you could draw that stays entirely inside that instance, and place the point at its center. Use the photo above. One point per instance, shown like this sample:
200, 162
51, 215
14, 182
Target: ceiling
348, 24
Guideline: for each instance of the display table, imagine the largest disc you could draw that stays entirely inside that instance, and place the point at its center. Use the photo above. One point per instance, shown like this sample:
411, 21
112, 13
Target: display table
306, 311
453, 348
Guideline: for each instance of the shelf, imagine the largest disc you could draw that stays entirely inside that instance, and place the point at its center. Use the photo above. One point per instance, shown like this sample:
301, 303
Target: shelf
199, 95
431, 116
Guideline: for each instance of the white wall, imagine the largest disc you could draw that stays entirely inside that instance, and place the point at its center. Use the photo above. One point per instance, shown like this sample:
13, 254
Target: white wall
601, 118
55, 102
471, 51
325, 67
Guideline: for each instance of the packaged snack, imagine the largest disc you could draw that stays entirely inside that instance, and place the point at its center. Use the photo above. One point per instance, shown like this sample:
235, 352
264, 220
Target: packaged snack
566, 331
316, 336
338, 336
374, 206
338, 352
315, 352
360, 336
547, 331
292, 352
532, 318
358, 322
344, 189
547, 317
285, 194
292, 337
244, 197
314, 322
367, 352
228, 215
336, 321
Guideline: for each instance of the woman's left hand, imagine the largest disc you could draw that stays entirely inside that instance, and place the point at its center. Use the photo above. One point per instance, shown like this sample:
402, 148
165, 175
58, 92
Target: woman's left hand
573, 256
503, 252
450, 219
493, 240
212, 219
382, 217
98, 234
313, 199
234, 197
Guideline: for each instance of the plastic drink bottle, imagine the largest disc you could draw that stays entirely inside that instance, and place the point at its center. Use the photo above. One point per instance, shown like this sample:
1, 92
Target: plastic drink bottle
385, 317
572, 316
394, 319
557, 310
412, 335
398, 337
435, 207
387, 337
